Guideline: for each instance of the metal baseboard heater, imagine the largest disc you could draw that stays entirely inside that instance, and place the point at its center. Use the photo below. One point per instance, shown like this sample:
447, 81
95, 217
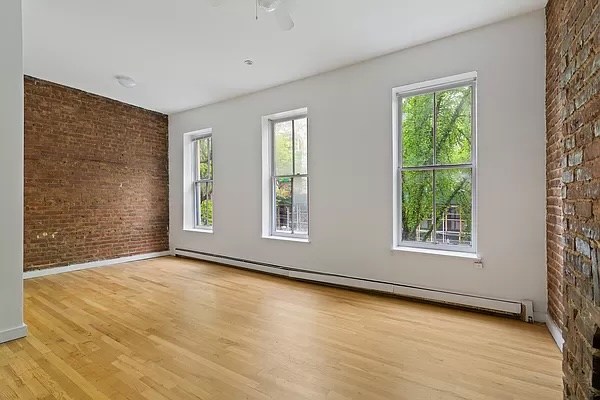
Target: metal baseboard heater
522, 309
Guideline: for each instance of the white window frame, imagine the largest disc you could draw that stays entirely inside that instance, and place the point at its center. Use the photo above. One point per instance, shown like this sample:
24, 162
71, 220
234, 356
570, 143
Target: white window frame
190, 211
431, 86
268, 187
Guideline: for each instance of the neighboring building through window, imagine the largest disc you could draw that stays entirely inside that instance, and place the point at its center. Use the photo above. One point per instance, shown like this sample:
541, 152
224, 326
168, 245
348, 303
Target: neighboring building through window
198, 181
287, 166
435, 149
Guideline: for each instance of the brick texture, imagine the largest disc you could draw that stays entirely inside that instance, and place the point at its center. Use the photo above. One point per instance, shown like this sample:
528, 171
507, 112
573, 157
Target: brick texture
554, 168
96, 178
573, 188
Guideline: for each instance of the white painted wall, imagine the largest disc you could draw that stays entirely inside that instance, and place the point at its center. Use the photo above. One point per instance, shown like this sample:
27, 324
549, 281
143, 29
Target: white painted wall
350, 166
11, 171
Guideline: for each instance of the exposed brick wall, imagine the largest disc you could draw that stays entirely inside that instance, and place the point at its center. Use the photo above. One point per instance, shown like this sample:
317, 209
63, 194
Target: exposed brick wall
96, 177
554, 167
573, 148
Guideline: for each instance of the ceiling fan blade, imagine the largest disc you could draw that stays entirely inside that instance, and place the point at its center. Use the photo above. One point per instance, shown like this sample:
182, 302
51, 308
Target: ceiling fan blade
215, 3
284, 19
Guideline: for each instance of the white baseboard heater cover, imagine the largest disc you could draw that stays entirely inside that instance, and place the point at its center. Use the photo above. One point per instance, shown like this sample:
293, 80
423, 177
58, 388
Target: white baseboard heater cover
497, 305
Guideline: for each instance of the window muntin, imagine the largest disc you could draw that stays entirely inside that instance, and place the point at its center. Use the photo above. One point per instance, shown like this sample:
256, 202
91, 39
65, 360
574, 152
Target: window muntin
436, 167
289, 177
203, 182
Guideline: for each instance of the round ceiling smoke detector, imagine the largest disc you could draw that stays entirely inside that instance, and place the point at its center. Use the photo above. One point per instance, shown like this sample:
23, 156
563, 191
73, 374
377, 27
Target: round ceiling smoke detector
248, 62
125, 81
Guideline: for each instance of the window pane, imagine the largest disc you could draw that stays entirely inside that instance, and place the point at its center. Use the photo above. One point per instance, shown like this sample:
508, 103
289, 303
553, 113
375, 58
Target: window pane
417, 130
453, 206
205, 204
210, 158
300, 206
283, 205
202, 149
453, 126
417, 205
283, 148
197, 155
197, 190
301, 146
203, 158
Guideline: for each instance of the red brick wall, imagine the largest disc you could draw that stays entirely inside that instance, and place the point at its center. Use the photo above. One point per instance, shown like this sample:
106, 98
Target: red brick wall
96, 177
554, 167
573, 148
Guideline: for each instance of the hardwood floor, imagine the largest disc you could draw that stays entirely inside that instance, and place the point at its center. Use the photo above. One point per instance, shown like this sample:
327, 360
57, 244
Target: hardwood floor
182, 329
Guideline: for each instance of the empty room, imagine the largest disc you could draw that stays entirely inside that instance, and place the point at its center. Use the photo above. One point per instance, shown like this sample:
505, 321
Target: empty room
299, 199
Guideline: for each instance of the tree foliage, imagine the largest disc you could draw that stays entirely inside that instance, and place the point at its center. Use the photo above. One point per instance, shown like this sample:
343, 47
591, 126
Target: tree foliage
205, 172
436, 130
290, 156
206, 212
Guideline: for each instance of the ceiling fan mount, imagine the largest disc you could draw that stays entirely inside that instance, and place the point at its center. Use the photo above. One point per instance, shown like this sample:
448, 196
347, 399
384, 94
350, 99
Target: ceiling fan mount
279, 8
269, 5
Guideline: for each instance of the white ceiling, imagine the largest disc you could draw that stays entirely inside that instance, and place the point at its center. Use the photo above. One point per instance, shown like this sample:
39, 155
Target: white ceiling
185, 53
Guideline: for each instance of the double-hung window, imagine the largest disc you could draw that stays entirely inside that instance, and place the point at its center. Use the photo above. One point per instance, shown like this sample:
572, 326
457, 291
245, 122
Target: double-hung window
202, 181
287, 187
435, 159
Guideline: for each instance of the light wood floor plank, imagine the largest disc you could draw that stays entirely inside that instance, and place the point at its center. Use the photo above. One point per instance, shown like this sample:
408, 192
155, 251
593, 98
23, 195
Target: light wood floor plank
176, 329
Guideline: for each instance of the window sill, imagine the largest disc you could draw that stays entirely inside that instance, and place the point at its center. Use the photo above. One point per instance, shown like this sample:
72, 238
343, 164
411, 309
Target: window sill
198, 230
458, 254
288, 239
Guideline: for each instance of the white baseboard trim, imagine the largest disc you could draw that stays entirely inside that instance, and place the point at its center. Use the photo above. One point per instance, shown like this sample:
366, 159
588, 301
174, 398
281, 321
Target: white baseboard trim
93, 264
233, 262
13, 334
540, 316
503, 306
555, 332
343, 281
496, 305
